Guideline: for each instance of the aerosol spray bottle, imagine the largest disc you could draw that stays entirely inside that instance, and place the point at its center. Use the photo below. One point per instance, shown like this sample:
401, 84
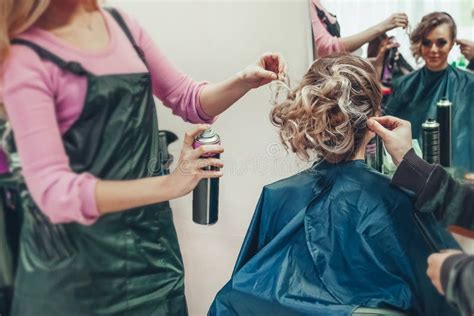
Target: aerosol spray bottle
388, 65
430, 141
444, 118
206, 193
374, 153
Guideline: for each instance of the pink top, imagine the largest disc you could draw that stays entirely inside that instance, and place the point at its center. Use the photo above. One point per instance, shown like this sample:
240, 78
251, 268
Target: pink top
324, 42
43, 101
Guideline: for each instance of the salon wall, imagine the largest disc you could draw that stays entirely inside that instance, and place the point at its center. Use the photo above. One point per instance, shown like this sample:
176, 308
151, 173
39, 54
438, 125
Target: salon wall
211, 40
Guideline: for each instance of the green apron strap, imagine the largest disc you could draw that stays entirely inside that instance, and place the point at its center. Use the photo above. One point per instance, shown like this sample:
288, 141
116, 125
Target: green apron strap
123, 25
71, 66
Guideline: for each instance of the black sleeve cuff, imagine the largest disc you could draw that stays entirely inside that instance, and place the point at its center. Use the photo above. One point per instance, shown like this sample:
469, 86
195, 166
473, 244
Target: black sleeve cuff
447, 266
412, 173
471, 65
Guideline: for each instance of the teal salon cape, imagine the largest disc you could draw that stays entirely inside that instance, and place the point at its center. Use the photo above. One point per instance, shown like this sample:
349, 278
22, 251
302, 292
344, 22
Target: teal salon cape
328, 240
414, 99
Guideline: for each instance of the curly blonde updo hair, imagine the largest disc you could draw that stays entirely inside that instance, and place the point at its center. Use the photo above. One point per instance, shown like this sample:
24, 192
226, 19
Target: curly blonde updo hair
428, 23
327, 112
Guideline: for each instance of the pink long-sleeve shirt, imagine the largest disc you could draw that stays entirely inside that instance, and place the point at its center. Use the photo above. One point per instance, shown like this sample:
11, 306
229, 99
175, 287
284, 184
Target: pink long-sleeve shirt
324, 42
43, 101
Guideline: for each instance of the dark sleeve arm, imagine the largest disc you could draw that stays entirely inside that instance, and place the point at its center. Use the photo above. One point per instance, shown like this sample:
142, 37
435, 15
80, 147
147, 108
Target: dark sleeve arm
436, 191
470, 66
457, 280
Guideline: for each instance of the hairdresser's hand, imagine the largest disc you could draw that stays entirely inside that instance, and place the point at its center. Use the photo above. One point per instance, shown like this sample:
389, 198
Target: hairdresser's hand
469, 177
394, 21
377, 62
387, 45
189, 171
269, 67
435, 262
467, 48
395, 133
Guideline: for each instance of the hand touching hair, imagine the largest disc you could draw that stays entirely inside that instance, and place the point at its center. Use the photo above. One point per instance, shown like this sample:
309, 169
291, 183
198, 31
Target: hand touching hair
327, 112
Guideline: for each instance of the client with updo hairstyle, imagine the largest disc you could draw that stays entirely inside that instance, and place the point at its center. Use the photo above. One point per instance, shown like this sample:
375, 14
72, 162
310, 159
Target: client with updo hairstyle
337, 236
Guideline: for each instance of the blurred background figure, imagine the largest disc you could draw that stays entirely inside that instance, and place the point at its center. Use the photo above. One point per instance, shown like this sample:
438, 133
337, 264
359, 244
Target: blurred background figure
467, 49
327, 32
389, 63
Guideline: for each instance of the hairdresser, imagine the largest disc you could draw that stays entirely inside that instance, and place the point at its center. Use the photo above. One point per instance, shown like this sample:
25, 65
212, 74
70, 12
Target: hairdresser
452, 202
78, 83
467, 49
327, 34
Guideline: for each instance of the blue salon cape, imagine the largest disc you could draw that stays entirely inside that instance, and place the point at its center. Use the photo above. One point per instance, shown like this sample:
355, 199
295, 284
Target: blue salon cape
328, 240
414, 99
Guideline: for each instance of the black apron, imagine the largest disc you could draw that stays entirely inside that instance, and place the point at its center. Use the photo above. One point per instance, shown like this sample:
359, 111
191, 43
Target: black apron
127, 263
333, 28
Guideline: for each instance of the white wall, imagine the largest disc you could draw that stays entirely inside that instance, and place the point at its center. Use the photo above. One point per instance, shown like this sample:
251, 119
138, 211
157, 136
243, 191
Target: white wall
210, 40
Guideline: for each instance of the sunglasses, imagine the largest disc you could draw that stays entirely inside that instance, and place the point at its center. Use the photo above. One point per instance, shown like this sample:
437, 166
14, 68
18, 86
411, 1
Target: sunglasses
440, 43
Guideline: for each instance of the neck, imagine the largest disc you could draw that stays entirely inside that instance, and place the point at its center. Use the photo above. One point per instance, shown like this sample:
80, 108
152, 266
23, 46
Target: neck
65, 12
360, 154
438, 69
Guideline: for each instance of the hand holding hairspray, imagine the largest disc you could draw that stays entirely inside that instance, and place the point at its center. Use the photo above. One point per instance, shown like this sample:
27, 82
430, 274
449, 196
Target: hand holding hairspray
206, 193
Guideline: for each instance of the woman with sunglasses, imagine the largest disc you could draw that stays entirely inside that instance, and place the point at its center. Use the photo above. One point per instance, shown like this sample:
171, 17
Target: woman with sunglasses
415, 95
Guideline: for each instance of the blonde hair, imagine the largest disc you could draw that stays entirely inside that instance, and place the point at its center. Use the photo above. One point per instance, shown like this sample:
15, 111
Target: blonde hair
327, 112
16, 16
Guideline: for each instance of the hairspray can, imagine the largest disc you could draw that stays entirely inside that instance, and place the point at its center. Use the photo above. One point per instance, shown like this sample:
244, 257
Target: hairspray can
371, 154
444, 118
374, 153
430, 141
206, 193
379, 149
388, 64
